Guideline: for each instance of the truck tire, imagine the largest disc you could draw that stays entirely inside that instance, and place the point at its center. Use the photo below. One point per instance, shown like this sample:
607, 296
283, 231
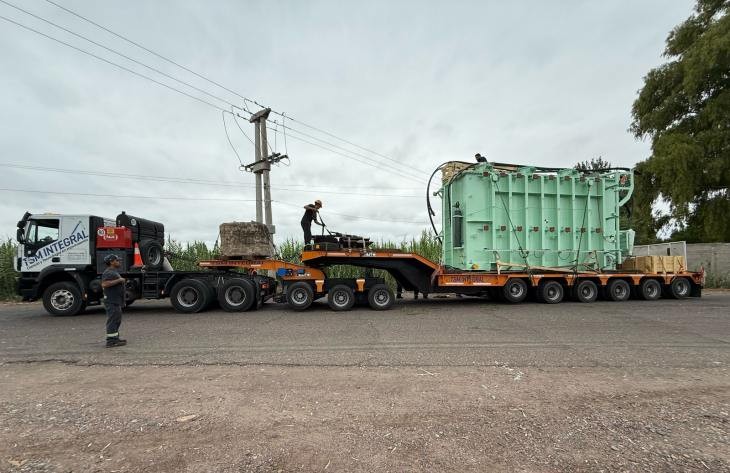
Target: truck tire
189, 296
380, 297
299, 295
618, 290
63, 298
237, 295
680, 288
585, 291
551, 292
152, 255
341, 298
514, 290
650, 289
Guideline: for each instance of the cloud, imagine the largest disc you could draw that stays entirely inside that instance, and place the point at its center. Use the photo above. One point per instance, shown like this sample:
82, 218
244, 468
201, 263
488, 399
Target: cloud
422, 83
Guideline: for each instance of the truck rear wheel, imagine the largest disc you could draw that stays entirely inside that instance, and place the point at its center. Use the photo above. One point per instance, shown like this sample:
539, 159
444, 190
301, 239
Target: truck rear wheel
680, 288
341, 298
380, 297
299, 295
585, 291
514, 290
618, 290
236, 295
650, 289
551, 292
189, 296
63, 298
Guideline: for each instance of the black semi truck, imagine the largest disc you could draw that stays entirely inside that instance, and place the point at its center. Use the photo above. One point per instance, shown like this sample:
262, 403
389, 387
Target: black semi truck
60, 260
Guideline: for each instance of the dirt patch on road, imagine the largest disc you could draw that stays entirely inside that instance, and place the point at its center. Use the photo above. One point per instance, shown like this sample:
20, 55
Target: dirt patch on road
60, 417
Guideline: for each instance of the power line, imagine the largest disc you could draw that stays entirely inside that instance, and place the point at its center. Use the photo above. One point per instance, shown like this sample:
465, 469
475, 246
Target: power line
228, 137
117, 53
356, 217
194, 181
116, 196
163, 84
240, 128
328, 143
245, 99
284, 127
111, 62
78, 15
367, 163
346, 141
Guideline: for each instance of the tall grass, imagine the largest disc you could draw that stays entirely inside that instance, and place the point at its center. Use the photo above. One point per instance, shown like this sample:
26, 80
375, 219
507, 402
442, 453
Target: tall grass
8, 255
185, 257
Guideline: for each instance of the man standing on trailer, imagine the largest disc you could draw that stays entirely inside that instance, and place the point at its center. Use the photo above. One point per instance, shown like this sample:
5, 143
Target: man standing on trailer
113, 284
310, 213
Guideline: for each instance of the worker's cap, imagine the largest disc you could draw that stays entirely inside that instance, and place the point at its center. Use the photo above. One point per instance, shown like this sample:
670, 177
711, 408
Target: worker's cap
109, 259
318, 202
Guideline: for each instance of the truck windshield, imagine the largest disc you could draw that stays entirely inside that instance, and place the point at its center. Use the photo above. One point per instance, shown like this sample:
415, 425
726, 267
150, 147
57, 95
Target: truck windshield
42, 232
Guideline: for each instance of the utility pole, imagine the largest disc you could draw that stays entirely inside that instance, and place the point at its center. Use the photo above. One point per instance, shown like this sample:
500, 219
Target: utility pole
261, 168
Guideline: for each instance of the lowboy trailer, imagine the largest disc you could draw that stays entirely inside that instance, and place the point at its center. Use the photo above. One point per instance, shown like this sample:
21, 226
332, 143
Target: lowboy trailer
60, 261
300, 285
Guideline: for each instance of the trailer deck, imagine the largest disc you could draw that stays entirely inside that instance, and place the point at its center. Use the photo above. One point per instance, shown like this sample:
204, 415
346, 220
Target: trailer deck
414, 272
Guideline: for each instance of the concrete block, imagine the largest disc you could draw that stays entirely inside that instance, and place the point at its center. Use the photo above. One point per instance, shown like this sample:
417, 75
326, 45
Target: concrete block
245, 240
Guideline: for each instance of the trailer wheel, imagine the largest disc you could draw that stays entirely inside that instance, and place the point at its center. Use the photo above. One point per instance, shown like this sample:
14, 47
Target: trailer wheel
236, 295
380, 297
650, 289
680, 288
189, 296
618, 290
341, 298
152, 255
63, 298
299, 295
551, 292
514, 290
585, 291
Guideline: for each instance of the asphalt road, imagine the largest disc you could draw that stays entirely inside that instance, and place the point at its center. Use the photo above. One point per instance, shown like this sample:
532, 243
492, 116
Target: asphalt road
446, 332
439, 385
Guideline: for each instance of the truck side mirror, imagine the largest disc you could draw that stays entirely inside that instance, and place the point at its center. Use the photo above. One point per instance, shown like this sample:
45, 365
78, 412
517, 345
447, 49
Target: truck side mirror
20, 236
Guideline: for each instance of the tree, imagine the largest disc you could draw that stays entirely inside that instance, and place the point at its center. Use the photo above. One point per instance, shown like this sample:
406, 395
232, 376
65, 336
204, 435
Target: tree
684, 108
595, 164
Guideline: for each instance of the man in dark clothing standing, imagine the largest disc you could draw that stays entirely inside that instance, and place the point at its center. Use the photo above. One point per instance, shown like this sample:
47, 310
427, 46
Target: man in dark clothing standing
113, 284
310, 213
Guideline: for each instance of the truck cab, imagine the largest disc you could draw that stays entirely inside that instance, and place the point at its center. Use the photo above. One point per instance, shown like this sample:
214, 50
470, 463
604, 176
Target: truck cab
57, 251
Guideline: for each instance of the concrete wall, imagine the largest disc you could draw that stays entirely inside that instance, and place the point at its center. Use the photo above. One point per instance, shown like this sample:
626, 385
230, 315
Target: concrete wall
715, 257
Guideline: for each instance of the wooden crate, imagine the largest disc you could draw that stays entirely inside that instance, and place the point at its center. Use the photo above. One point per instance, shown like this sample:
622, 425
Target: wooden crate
450, 170
655, 264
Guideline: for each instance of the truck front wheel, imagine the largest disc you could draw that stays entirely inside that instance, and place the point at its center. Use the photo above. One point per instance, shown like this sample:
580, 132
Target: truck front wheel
63, 298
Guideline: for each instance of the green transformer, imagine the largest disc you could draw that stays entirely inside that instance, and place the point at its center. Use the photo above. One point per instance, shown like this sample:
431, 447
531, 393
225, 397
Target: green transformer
513, 217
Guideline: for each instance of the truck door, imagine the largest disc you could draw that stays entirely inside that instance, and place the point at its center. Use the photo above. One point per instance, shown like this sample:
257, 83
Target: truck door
55, 241
39, 235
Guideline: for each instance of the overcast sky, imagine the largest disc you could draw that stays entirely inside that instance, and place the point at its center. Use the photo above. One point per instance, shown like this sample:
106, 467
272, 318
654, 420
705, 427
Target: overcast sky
546, 83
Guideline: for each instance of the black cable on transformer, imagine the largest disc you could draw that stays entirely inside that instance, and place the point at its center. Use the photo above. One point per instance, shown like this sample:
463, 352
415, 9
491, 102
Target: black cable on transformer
429, 209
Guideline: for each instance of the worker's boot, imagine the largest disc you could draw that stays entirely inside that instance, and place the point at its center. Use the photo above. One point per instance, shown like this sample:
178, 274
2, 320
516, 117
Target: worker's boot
115, 342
